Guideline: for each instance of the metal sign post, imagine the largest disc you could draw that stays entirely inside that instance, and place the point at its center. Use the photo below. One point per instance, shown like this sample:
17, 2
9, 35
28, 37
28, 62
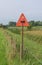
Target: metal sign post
22, 44
22, 40
22, 22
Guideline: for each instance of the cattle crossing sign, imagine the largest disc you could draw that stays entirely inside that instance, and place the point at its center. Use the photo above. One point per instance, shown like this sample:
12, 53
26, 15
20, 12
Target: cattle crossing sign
22, 22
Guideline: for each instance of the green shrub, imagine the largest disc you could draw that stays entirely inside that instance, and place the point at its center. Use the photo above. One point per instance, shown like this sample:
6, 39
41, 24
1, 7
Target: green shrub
29, 27
17, 31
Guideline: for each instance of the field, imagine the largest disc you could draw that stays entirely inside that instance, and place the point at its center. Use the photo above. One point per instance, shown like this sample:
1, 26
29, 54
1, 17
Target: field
10, 41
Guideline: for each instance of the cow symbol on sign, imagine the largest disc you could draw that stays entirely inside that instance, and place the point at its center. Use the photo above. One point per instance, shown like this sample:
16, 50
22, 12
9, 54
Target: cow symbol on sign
23, 20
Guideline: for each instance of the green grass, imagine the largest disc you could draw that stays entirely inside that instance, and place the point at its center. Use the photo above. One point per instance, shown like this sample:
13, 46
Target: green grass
37, 28
32, 50
3, 60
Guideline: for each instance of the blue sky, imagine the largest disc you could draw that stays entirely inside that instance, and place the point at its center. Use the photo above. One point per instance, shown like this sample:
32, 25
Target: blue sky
10, 10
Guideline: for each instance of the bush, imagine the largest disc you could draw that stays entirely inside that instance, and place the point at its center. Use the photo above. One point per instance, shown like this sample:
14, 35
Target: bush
29, 27
17, 31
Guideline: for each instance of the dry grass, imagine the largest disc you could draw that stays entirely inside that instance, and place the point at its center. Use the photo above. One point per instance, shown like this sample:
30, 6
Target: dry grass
34, 32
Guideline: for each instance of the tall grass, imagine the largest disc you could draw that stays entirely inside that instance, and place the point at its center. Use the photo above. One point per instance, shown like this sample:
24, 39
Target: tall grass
32, 50
34, 35
14, 30
29, 58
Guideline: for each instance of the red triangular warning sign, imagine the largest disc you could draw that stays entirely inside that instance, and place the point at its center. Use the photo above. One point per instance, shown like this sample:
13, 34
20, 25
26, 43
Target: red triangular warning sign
22, 21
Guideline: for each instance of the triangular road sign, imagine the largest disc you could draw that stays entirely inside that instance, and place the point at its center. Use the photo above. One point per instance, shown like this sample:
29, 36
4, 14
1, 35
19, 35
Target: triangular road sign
22, 21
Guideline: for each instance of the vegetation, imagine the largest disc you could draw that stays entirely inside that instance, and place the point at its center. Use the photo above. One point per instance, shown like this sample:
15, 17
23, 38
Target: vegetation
3, 60
11, 40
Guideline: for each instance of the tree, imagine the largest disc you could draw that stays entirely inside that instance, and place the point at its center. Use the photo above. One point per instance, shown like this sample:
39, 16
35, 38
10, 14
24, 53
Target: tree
1, 25
29, 27
11, 23
32, 23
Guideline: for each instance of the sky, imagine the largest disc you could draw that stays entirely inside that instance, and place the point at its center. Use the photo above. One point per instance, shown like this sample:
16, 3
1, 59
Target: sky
10, 10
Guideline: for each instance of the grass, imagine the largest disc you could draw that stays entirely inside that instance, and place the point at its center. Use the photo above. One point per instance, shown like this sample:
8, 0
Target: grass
37, 28
34, 35
32, 49
32, 46
3, 60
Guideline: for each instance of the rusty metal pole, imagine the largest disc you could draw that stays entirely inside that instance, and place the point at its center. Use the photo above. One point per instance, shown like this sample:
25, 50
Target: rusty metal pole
22, 41
22, 45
